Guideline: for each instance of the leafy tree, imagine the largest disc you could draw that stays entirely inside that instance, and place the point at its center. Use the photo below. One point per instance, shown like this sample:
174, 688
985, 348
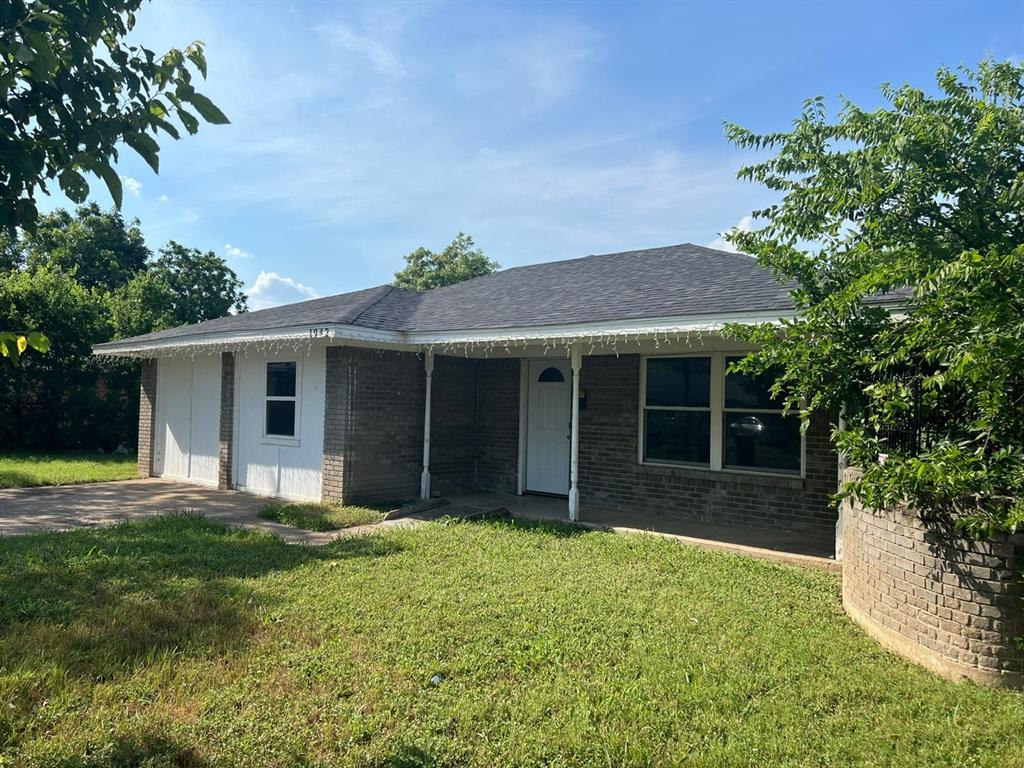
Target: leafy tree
921, 203
459, 261
100, 247
202, 285
68, 398
74, 92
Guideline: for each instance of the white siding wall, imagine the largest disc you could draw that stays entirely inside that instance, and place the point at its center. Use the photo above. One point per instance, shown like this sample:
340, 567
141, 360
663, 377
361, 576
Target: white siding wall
279, 466
188, 413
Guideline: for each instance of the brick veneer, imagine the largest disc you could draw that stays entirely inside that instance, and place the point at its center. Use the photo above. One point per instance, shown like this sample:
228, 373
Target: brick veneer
373, 425
611, 476
227, 421
936, 597
147, 417
453, 439
497, 423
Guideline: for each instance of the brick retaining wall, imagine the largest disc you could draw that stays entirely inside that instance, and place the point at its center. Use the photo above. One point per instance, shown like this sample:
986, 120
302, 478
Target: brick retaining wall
934, 596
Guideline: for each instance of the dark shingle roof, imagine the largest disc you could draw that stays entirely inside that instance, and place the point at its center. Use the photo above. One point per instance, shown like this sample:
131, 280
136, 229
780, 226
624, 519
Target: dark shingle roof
678, 280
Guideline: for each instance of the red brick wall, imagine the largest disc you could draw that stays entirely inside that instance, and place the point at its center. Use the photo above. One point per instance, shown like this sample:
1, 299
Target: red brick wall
610, 474
927, 592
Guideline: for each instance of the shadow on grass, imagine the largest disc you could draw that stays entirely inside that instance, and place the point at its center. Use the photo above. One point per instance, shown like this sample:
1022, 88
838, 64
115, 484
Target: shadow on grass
96, 603
148, 749
504, 519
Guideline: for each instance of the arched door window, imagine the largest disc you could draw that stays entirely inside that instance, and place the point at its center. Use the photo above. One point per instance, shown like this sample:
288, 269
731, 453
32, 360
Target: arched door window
551, 374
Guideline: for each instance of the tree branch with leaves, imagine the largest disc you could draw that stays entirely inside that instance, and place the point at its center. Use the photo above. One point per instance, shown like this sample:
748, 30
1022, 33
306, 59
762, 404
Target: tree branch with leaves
918, 205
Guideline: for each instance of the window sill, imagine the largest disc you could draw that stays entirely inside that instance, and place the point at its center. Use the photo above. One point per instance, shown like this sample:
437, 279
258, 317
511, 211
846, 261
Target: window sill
290, 442
736, 476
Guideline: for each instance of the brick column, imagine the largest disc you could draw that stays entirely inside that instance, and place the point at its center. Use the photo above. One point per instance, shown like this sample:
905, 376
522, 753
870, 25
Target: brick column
147, 417
225, 481
336, 424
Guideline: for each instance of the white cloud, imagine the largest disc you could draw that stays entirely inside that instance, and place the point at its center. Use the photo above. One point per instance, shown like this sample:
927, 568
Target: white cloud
132, 186
164, 198
272, 290
370, 45
234, 252
746, 224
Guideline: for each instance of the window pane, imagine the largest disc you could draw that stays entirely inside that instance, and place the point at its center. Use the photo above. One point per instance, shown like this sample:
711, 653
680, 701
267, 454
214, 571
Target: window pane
761, 441
677, 436
743, 391
281, 418
551, 375
281, 379
679, 381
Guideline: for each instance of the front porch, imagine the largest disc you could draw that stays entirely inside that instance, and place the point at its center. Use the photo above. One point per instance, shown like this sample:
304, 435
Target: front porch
777, 545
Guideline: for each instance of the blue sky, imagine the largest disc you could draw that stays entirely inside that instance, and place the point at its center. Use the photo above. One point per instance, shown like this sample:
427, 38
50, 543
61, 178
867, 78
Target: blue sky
547, 131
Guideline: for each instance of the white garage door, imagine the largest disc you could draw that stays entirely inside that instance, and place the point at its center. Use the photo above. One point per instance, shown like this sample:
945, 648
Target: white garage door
188, 419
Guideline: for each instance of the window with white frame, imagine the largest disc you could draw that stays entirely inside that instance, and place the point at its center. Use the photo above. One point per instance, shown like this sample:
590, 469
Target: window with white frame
696, 414
281, 403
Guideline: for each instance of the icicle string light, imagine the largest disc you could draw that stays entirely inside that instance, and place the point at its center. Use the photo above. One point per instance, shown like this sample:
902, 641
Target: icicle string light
595, 342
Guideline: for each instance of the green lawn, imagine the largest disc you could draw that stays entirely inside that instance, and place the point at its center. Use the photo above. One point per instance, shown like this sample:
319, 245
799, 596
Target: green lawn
19, 469
179, 642
317, 516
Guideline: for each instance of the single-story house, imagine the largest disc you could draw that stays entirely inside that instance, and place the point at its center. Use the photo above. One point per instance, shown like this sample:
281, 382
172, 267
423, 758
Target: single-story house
601, 380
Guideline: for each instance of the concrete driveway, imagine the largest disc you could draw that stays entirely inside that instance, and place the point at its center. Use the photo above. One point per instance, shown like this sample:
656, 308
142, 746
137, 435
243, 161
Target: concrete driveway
31, 510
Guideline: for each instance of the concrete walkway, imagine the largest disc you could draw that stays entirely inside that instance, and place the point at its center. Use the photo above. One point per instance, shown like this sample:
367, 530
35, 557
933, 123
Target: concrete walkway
32, 510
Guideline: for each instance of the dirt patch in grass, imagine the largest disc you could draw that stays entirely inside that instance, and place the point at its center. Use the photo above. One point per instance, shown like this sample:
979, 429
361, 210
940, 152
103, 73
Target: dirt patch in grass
319, 516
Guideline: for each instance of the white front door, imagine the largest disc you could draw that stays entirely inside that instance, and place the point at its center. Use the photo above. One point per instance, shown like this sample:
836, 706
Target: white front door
548, 416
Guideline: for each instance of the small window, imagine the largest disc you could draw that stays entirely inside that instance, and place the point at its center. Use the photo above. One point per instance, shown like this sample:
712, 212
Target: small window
551, 374
677, 410
281, 399
755, 434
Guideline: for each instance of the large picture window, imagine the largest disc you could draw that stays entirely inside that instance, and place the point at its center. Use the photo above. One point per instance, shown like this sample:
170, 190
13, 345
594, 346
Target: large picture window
755, 434
677, 410
281, 399
694, 413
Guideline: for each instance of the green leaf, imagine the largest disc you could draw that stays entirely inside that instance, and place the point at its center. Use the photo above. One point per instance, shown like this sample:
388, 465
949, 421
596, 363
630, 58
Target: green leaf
39, 342
188, 120
74, 185
209, 111
147, 148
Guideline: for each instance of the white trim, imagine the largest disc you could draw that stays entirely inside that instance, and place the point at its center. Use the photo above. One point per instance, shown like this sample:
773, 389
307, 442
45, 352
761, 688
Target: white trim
293, 440
428, 367
576, 364
596, 332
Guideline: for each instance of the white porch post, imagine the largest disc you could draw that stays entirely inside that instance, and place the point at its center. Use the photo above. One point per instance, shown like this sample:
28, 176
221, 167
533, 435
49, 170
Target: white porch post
574, 450
428, 366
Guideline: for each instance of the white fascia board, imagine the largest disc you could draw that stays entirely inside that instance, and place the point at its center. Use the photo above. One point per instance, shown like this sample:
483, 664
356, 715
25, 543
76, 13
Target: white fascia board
231, 340
609, 328
403, 340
